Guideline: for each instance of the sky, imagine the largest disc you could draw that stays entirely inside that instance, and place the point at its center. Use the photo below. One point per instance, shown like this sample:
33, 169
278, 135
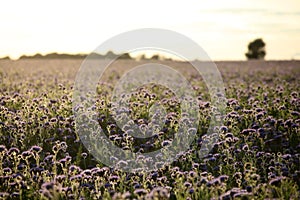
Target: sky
223, 28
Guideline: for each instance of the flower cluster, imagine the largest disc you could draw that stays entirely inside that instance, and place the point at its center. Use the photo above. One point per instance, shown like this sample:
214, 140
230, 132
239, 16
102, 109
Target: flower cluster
256, 156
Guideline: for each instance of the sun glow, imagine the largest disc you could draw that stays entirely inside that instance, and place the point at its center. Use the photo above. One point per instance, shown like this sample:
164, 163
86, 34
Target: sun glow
74, 27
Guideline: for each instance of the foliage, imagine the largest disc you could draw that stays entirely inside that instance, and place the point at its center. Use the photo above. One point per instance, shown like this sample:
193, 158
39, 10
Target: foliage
256, 49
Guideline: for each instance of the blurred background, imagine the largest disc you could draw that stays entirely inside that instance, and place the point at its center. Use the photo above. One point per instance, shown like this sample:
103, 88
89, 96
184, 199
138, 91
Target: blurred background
223, 28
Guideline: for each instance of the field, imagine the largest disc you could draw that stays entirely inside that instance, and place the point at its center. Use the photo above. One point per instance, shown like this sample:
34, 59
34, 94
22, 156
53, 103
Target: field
257, 155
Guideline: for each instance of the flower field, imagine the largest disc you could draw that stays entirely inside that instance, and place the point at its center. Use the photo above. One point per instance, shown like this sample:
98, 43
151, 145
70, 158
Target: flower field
257, 155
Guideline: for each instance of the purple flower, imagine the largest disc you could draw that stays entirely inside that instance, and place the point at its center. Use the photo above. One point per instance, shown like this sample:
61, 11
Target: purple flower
3, 149
36, 149
84, 155
48, 185
187, 184
4, 194
7, 170
13, 151
140, 192
60, 178
191, 191
223, 178
276, 181
114, 178
192, 174
86, 172
248, 131
26, 154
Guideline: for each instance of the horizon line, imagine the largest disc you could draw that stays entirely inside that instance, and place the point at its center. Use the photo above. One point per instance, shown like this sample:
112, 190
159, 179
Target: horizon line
81, 55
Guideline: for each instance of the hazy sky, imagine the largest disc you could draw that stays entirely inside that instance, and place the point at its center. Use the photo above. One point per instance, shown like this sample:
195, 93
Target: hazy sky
222, 27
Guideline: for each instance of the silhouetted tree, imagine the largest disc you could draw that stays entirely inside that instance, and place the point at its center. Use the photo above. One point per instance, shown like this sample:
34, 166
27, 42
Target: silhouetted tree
110, 55
155, 57
256, 49
125, 56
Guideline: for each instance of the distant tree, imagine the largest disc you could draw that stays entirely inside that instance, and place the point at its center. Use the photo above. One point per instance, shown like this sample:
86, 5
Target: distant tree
143, 57
5, 58
256, 49
125, 56
110, 55
155, 57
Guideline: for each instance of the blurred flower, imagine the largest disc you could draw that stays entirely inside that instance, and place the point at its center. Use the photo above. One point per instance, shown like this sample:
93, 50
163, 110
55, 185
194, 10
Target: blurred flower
36, 149
13, 151
140, 192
